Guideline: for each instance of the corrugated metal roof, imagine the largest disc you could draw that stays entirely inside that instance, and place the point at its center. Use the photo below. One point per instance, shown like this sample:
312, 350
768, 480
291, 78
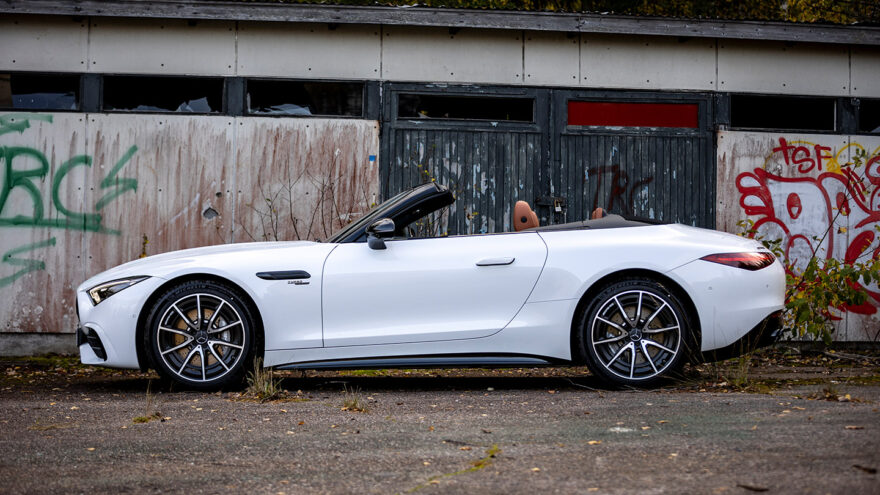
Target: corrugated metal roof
452, 18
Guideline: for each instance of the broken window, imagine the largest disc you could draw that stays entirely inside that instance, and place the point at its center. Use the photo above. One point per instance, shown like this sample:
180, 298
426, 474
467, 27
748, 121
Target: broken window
163, 94
39, 91
782, 112
869, 116
633, 114
488, 108
277, 97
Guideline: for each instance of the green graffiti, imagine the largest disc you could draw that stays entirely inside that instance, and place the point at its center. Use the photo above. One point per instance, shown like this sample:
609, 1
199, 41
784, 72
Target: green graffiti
24, 179
23, 168
27, 265
121, 184
89, 221
18, 122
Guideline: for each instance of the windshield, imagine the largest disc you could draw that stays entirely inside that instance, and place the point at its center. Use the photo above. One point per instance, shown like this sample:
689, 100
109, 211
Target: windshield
370, 217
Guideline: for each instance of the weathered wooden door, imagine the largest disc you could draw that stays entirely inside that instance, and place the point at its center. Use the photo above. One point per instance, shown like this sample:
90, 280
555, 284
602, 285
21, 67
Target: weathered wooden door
646, 155
485, 144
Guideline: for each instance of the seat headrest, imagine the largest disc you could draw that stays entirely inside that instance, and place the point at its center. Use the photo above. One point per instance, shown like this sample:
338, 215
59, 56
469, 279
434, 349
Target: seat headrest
524, 217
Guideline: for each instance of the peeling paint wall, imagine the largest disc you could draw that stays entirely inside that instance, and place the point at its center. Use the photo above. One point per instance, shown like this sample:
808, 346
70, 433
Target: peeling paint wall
80, 193
795, 187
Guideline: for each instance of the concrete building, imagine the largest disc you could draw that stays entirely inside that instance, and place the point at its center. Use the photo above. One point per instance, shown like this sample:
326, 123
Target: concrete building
129, 128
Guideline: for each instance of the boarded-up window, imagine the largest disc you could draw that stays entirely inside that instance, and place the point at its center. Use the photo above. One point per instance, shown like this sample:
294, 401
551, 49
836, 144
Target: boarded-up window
632, 114
163, 94
304, 98
452, 107
782, 113
39, 91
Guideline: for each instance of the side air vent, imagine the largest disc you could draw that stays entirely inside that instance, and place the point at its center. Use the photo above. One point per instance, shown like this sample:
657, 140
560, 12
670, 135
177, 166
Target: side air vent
95, 343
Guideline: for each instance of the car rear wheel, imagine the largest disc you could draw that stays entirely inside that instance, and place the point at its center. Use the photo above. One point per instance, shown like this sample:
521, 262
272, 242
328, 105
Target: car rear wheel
635, 332
201, 335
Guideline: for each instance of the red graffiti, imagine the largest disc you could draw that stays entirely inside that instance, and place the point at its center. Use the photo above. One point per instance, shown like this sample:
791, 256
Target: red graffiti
802, 156
800, 209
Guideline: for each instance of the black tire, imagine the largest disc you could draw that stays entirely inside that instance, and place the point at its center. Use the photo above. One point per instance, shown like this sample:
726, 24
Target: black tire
210, 352
635, 333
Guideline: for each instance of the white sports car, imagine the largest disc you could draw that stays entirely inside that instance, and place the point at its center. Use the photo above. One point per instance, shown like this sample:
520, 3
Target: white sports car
632, 300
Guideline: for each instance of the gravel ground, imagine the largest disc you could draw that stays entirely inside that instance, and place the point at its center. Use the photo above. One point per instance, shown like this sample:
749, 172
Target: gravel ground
794, 426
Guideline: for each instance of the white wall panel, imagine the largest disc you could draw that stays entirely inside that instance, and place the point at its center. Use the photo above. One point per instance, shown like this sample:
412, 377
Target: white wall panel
43, 43
309, 50
551, 58
643, 62
865, 72
787, 68
144, 46
425, 54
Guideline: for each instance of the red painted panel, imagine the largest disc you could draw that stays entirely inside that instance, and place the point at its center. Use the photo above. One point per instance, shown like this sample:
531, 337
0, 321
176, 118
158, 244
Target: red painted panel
614, 114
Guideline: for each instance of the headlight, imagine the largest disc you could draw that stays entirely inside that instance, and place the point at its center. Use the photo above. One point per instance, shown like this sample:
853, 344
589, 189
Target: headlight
103, 291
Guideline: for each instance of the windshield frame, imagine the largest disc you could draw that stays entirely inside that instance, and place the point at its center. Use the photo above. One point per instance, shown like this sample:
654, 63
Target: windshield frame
393, 208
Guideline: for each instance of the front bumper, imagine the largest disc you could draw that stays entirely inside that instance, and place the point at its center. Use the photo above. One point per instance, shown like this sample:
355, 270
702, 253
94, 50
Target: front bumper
107, 335
765, 333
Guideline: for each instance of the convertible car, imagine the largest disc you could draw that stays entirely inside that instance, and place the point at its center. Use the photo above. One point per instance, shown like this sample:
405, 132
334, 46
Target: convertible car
630, 299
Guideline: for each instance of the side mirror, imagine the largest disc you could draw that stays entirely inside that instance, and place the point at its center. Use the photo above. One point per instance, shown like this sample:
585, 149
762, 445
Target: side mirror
379, 230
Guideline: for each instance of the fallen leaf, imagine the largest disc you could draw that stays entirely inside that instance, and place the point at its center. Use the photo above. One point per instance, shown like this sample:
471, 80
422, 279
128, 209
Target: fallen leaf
73, 408
594, 442
646, 427
464, 448
426, 463
535, 469
90, 449
662, 421
853, 427
301, 423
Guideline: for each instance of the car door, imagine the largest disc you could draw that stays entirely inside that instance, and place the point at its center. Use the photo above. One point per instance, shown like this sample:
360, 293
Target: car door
419, 290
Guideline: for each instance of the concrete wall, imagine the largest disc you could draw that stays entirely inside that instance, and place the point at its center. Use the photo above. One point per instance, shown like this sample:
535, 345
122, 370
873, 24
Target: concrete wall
421, 54
81, 193
795, 187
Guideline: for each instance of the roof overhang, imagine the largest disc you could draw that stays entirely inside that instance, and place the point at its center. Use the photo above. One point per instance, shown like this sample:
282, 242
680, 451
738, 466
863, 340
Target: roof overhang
451, 18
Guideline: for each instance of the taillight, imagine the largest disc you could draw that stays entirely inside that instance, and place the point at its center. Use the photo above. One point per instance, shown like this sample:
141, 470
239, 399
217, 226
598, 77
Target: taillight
746, 261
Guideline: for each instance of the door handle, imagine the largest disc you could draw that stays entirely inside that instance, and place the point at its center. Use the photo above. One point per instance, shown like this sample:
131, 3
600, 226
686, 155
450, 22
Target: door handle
495, 261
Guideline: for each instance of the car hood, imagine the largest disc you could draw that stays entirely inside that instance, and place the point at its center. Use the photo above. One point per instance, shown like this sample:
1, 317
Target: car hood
157, 265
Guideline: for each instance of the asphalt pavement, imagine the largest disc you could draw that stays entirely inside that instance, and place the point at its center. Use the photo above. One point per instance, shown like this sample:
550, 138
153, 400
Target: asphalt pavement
803, 428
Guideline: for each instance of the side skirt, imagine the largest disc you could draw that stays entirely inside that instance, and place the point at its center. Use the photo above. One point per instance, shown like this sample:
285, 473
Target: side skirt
444, 361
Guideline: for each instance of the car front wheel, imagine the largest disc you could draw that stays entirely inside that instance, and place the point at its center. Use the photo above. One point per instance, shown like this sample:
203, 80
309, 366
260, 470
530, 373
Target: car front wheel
201, 335
635, 332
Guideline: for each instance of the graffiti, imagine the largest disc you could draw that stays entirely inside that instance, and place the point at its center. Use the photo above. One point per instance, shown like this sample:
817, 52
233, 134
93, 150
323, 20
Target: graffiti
621, 189
28, 265
804, 190
23, 169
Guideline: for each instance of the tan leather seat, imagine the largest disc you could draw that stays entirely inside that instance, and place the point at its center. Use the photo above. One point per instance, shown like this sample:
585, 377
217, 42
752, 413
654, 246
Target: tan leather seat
524, 217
